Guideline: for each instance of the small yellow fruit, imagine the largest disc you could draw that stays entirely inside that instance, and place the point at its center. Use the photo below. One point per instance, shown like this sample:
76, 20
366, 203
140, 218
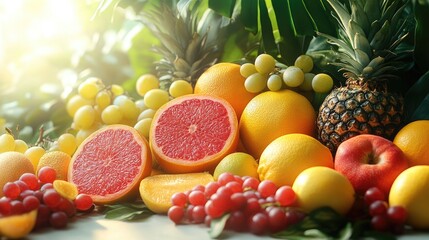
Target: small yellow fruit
411, 190
287, 156
12, 166
318, 187
413, 140
238, 163
57, 160
66, 189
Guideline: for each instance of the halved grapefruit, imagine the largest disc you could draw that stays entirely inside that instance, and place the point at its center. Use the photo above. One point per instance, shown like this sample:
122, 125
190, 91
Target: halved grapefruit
193, 133
110, 163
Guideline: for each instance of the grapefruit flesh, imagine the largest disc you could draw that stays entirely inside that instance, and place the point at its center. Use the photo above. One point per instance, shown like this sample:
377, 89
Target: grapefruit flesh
193, 133
110, 164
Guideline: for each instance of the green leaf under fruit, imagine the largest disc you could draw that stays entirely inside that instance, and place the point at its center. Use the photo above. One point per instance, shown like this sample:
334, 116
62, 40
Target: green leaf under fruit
217, 226
127, 211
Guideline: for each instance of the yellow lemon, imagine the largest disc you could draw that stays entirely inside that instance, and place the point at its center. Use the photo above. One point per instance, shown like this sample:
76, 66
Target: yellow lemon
289, 155
318, 187
411, 190
413, 140
238, 163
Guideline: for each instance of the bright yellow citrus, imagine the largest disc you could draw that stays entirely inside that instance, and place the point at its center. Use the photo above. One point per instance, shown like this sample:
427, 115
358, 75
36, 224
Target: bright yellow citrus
224, 80
287, 156
411, 190
57, 160
156, 190
18, 226
66, 189
318, 187
12, 166
413, 140
238, 163
273, 114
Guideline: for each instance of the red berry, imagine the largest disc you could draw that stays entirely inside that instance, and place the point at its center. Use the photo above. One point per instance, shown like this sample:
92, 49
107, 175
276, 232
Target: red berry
31, 180
58, 220
373, 194
250, 183
285, 196
30, 203
179, 199
197, 198
259, 223
267, 188
5, 207
380, 223
176, 214
225, 178
11, 190
47, 174
277, 219
198, 214
378, 207
211, 189
397, 215
51, 198
83, 202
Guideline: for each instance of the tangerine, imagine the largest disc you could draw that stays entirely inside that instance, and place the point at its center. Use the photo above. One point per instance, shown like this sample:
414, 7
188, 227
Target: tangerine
193, 133
57, 160
225, 80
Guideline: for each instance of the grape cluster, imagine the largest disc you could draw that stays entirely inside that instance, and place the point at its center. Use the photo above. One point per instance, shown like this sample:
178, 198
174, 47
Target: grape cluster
259, 207
384, 217
266, 72
31, 192
9, 143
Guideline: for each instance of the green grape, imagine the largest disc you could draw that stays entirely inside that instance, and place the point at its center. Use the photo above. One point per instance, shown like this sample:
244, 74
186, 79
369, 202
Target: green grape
143, 127
247, 69
103, 99
7, 143
306, 85
155, 98
84, 117
145, 83
129, 109
140, 104
112, 114
82, 134
67, 143
304, 62
76, 102
265, 63
274, 82
179, 88
88, 89
117, 89
322, 83
20, 146
148, 113
255, 83
34, 154
119, 99
293, 76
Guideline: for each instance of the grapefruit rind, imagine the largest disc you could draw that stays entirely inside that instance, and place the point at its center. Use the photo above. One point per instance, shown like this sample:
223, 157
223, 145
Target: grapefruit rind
104, 182
180, 165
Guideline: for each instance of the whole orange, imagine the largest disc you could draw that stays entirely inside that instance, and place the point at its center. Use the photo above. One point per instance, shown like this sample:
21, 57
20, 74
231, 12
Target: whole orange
12, 166
413, 140
224, 80
273, 114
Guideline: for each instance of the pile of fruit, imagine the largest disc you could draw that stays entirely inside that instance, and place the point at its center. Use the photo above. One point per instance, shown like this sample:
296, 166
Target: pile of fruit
241, 147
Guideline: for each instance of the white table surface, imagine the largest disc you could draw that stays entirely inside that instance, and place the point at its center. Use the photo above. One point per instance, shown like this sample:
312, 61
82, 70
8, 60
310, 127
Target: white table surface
157, 227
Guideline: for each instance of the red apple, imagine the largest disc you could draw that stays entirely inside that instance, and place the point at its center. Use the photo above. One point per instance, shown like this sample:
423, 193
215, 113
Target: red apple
370, 161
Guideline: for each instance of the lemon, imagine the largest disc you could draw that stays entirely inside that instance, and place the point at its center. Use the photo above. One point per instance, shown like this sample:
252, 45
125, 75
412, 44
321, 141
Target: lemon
318, 187
411, 190
238, 163
287, 156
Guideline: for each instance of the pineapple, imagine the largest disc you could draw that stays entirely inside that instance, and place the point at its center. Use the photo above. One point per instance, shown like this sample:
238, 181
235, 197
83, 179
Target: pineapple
370, 51
188, 45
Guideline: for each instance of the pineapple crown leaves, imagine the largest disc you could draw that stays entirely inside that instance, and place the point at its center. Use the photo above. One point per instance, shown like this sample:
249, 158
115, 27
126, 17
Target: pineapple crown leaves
189, 45
370, 36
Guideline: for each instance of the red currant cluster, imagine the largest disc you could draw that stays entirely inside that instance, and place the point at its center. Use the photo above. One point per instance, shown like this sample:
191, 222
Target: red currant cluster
384, 217
33, 192
259, 207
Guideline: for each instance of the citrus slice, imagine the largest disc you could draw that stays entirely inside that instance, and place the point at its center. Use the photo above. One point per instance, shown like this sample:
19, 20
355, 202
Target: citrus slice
17, 226
160, 201
66, 189
110, 163
193, 133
